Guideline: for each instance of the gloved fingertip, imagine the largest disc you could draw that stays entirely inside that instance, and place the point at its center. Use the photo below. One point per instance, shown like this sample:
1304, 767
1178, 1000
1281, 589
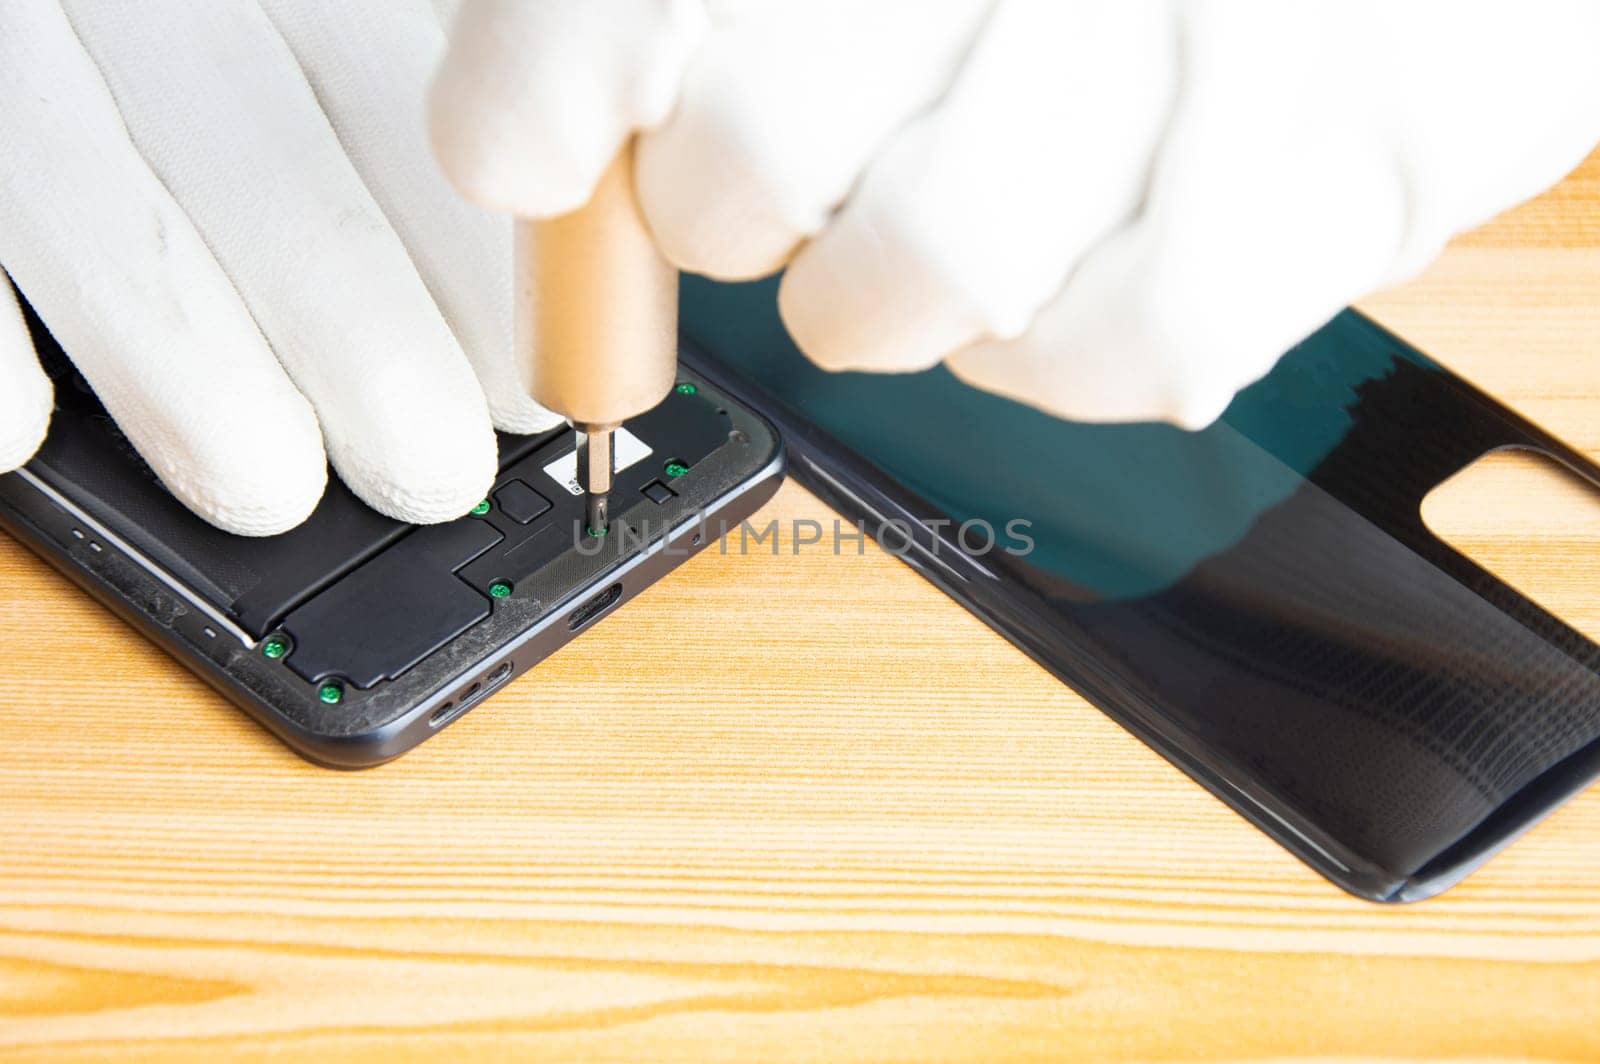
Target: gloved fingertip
26, 394
809, 328
475, 157
261, 493
1198, 410
424, 502
712, 215
533, 101
428, 508
422, 474
432, 503
719, 255
258, 517
489, 138
521, 416
24, 432
833, 324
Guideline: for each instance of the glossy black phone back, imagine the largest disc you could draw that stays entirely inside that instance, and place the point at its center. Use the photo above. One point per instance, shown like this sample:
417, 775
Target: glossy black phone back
1260, 602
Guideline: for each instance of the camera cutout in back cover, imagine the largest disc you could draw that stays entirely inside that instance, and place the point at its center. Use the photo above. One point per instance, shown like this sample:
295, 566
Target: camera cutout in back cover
1259, 601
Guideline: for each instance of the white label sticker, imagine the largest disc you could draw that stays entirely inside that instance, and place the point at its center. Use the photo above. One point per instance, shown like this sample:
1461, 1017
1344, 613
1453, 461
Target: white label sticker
626, 449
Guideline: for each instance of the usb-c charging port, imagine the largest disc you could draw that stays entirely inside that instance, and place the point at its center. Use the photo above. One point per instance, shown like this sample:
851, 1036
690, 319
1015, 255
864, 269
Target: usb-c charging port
594, 607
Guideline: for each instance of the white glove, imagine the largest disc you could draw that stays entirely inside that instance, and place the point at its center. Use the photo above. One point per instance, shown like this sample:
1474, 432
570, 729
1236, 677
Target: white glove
227, 214
1109, 209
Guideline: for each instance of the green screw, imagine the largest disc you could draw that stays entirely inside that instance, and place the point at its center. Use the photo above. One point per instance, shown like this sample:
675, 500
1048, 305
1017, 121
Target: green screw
274, 648
676, 469
499, 589
331, 693
482, 508
686, 388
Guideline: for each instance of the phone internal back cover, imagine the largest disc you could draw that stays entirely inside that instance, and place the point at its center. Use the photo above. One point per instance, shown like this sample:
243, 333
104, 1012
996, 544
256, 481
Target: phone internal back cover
1260, 601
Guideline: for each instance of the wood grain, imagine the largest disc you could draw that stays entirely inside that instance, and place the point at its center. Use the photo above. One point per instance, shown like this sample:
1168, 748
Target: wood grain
1533, 523
804, 825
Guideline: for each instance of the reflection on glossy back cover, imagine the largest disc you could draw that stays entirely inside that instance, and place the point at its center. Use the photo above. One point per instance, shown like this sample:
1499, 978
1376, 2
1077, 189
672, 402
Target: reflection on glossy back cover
1260, 601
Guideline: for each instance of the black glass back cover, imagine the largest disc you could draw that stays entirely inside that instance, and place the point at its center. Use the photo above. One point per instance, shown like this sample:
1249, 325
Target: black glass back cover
1259, 601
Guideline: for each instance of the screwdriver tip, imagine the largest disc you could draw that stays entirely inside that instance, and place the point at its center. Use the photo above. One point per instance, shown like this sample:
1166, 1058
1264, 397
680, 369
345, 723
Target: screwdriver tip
596, 513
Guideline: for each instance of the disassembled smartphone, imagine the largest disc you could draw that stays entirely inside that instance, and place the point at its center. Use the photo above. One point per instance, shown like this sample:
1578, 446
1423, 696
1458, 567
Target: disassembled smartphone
1261, 601
354, 637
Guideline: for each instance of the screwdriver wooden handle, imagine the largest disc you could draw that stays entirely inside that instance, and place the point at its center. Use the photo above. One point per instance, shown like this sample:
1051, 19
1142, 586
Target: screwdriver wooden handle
597, 307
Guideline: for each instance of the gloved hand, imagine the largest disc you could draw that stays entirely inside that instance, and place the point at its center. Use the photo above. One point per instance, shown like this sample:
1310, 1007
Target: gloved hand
1110, 209
227, 214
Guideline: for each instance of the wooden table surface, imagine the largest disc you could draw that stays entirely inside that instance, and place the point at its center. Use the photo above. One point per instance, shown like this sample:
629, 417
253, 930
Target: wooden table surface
819, 813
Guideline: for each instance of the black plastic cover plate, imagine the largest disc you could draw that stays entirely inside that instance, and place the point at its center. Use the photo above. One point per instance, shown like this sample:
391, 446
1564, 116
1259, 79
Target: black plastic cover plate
1259, 601
425, 589
393, 611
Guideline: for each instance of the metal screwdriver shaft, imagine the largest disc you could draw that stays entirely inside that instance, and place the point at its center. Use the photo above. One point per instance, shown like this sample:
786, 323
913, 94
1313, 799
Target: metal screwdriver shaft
594, 475
597, 322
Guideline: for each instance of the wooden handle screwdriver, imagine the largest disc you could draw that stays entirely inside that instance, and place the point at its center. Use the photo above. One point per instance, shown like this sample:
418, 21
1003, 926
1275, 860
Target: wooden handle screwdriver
596, 322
